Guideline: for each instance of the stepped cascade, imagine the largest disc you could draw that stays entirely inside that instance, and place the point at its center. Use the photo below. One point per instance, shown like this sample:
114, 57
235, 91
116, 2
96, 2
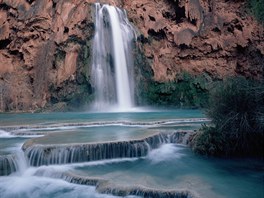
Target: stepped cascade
58, 55
112, 60
105, 155
62, 154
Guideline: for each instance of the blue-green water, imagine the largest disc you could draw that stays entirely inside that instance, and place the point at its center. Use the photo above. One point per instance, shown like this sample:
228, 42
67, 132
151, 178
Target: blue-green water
80, 117
176, 167
83, 127
168, 167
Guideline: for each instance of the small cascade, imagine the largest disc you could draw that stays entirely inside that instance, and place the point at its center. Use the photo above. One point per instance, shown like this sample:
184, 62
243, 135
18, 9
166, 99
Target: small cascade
13, 163
21, 162
63, 154
46, 155
7, 165
112, 60
180, 137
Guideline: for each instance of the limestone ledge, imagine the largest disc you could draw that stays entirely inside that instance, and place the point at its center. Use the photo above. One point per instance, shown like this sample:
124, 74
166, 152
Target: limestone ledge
39, 154
106, 187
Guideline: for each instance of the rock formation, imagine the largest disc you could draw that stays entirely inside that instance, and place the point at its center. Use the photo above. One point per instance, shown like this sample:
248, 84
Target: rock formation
43, 50
45, 46
216, 37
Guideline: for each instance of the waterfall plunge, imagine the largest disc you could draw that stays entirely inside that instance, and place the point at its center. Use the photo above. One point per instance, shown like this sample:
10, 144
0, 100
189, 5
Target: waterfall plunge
112, 60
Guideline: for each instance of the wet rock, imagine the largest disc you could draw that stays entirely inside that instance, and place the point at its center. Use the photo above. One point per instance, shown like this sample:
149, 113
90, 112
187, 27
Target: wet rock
39, 154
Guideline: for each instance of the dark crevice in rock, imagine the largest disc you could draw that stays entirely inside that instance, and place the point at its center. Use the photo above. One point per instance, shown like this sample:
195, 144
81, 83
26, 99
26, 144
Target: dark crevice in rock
241, 49
157, 35
183, 46
4, 6
142, 39
152, 18
66, 30
169, 15
4, 43
216, 29
180, 12
54, 4
31, 80
194, 22
17, 54
30, 1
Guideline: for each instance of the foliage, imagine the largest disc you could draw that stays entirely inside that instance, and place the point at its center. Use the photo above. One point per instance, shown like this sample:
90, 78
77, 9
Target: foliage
257, 9
185, 91
236, 107
208, 141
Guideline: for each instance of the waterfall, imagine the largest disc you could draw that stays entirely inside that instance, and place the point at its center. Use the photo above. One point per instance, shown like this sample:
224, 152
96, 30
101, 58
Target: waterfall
13, 163
112, 62
39, 155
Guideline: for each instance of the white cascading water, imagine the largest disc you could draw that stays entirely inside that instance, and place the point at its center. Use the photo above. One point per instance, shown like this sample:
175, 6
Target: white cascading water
112, 60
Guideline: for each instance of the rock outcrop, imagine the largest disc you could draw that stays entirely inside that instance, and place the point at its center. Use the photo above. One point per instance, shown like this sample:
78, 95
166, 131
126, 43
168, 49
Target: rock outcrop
45, 46
214, 37
43, 52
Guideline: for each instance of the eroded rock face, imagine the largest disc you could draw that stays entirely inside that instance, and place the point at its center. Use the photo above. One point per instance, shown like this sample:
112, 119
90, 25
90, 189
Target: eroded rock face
45, 45
42, 45
215, 37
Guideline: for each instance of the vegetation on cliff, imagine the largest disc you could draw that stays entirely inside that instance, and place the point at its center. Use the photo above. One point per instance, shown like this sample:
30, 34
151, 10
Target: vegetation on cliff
236, 107
257, 9
185, 91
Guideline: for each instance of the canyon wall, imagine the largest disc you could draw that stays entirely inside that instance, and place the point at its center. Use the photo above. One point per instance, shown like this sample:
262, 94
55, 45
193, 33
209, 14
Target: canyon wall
216, 37
45, 46
44, 53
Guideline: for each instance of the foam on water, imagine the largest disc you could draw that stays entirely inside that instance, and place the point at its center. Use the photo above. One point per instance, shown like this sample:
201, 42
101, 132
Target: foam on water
70, 126
5, 134
42, 187
45, 181
166, 152
102, 162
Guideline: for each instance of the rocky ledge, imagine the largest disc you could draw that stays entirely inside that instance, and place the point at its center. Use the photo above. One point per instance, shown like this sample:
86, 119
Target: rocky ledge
39, 154
107, 187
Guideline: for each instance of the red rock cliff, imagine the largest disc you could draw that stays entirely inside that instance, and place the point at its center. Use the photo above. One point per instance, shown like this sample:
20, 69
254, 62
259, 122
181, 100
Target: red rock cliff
45, 45
40, 43
216, 36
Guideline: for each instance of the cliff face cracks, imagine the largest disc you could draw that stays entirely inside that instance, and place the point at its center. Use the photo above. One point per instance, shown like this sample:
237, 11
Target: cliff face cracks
45, 45
216, 37
40, 42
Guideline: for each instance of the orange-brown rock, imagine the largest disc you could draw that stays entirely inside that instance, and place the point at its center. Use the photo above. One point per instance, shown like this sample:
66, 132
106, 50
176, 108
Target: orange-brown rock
33, 35
45, 45
217, 37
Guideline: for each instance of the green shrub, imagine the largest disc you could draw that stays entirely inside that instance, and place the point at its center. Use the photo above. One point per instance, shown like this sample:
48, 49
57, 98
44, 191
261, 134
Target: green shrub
208, 141
185, 91
236, 107
257, 9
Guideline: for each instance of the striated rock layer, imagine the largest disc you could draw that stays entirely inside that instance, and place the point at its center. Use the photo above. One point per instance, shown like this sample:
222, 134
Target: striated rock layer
45, 46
